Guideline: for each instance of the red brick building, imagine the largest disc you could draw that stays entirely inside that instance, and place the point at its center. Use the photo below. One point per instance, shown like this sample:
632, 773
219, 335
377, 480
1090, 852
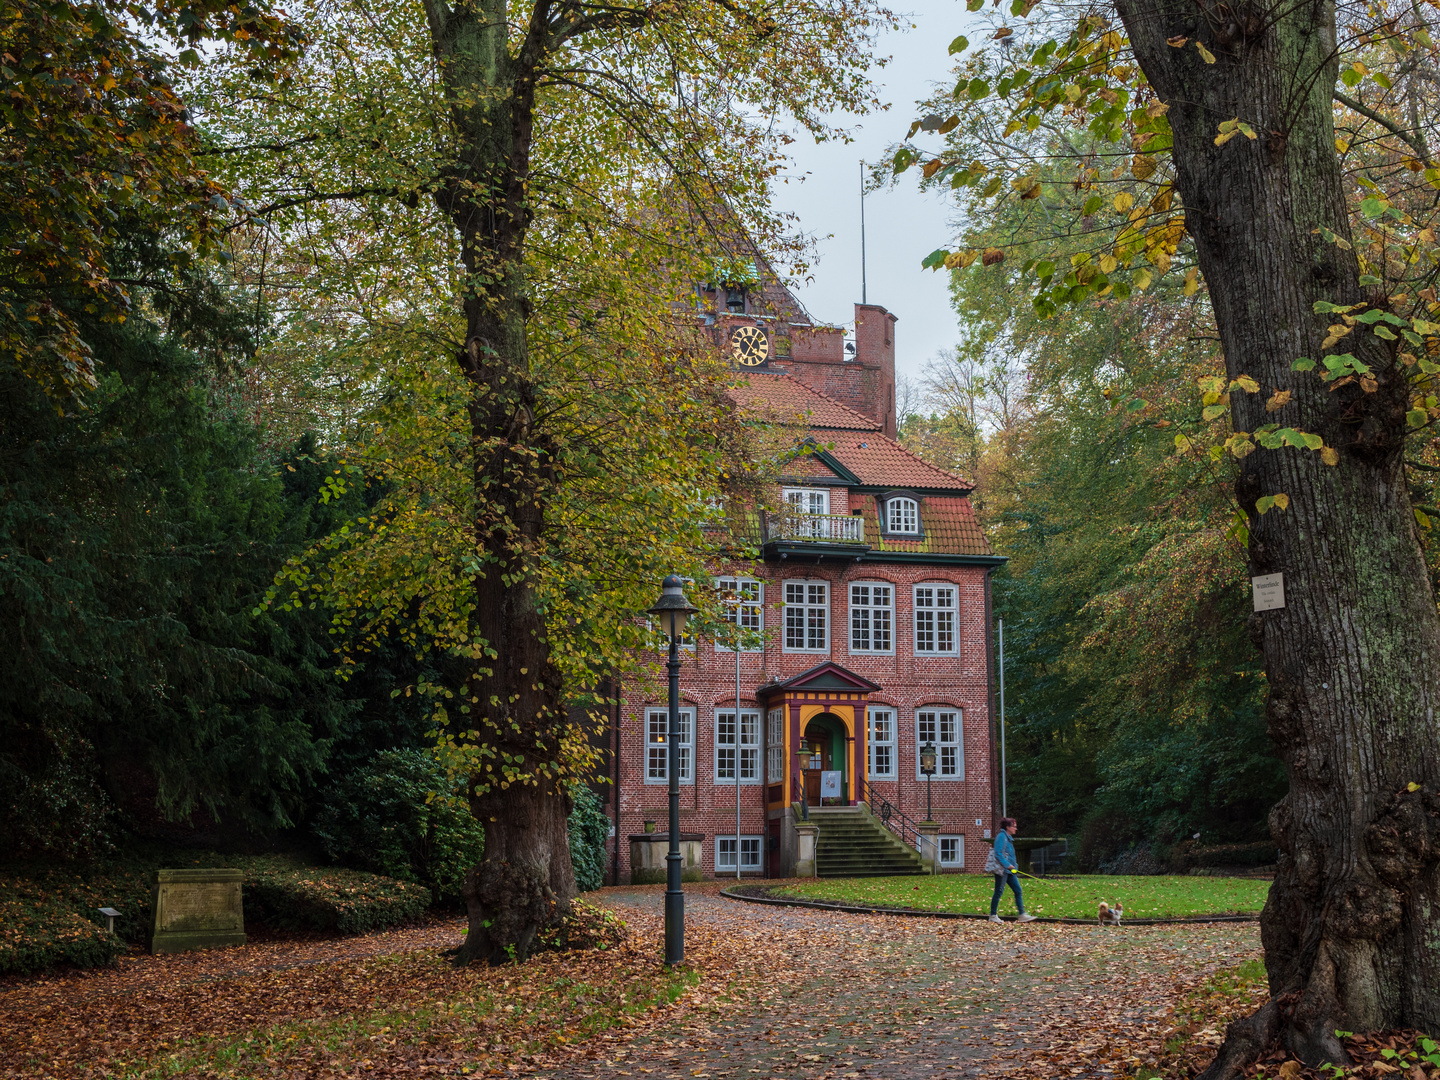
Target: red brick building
872, 595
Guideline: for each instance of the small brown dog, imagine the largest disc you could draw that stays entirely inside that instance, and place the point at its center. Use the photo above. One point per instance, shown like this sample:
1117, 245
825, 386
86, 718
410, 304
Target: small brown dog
1110, 916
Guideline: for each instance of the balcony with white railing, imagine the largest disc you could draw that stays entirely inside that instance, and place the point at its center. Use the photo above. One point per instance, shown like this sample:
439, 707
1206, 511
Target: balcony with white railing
792, 526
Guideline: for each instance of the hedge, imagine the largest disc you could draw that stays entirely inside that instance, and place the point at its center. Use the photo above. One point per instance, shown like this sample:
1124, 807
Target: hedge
48, 913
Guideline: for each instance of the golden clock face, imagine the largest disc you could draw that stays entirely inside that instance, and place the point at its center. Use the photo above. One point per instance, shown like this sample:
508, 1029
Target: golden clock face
750, 346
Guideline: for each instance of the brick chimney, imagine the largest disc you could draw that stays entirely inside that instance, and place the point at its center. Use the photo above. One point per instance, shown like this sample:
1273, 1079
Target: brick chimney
864, 381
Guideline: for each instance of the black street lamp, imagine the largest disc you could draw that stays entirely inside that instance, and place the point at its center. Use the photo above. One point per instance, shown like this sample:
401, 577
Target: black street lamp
927, 770
671, 611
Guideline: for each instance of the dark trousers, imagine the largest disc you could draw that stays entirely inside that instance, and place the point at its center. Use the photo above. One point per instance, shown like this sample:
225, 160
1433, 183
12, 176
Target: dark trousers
1001, 880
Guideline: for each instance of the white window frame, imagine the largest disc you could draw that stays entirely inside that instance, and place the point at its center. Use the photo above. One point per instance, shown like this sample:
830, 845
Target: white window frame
750, 846
808, 500
750, 611
775, 746
661, 774
937, 619
958, 859
749, 747
932, 724
872, 743
863, 609
799, 615
902, 516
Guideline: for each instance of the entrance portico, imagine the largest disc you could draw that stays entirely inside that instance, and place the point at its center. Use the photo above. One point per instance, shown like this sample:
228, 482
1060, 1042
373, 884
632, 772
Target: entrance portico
825, 706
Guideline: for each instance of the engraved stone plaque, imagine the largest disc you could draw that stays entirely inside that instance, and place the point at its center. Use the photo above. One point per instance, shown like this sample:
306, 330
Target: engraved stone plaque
197, 909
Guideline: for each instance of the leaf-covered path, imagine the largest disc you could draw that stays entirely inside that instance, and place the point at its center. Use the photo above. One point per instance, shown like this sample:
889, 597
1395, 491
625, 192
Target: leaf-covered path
788, 993
878, 996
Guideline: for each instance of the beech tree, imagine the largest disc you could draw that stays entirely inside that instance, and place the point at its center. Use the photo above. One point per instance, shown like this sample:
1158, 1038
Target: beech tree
516, 196
1281, 158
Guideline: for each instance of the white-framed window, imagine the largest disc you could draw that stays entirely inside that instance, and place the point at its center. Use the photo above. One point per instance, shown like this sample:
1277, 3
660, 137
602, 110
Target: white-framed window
935, 624
880, 737
952, 851
940, 726
742, 601
872, 617
807, 616
775, 746
657, 761
731, 743
902, 515
808, 500
725, 853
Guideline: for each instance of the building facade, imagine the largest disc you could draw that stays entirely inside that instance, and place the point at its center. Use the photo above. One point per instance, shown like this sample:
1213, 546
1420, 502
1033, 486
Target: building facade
867, 619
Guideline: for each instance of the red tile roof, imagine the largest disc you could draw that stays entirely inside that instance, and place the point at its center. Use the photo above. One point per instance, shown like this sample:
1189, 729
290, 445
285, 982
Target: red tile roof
781, 398
877, 460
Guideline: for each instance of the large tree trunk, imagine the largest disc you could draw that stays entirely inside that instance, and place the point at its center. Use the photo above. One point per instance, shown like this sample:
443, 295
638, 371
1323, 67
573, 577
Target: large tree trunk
514, 699
1352, 925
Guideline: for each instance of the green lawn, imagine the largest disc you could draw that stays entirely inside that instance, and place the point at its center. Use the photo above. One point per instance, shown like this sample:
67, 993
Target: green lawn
1073, 897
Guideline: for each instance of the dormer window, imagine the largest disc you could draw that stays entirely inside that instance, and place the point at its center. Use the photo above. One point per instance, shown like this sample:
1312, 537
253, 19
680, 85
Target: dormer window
902, 515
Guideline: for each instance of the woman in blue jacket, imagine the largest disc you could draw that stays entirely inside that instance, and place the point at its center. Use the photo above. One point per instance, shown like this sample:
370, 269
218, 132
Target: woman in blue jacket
1005, 865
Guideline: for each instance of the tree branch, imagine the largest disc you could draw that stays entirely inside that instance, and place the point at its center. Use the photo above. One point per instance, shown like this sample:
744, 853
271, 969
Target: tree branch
1403, 134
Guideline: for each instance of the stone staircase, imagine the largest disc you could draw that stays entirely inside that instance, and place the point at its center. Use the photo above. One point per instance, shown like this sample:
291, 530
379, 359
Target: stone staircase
852, 843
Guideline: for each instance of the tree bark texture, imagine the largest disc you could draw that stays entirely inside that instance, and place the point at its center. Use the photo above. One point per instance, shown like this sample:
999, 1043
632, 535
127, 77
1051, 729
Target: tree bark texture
1351, 928
526, 881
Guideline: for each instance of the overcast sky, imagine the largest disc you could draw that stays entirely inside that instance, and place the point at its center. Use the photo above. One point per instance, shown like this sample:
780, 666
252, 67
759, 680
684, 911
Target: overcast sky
901, 225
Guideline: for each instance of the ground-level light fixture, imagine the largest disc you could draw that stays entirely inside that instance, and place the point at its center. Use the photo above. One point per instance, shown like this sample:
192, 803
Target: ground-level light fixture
110, 916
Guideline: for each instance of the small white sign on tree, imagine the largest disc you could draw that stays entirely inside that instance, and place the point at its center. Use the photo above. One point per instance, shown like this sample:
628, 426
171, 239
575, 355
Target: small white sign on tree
1269, 591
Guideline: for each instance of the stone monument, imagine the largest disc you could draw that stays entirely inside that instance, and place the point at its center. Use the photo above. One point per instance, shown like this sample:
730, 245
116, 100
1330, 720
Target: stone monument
197, 909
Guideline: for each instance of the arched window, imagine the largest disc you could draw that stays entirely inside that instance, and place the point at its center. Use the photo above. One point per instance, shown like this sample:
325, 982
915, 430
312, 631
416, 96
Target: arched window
902, 515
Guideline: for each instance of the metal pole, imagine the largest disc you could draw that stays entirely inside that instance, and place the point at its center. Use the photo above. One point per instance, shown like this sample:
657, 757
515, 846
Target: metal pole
929, 814
674, 896
862, 233
737, 739
1004, 809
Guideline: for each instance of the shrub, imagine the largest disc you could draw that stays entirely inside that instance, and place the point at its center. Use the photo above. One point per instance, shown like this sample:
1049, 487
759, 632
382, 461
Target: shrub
588, 828
386, 818
48, 913
1188, 854
331, 899
36, 934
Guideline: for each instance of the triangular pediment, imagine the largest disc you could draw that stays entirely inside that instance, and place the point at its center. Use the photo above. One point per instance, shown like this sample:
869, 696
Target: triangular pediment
826, 676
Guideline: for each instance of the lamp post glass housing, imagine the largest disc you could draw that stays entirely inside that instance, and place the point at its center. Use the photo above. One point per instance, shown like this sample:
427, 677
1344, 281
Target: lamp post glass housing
670, 613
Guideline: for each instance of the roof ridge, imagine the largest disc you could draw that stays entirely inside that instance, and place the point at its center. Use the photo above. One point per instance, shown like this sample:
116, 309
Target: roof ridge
870, 424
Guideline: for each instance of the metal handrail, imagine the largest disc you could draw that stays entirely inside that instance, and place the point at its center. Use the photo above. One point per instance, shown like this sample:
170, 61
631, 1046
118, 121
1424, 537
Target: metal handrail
891, 816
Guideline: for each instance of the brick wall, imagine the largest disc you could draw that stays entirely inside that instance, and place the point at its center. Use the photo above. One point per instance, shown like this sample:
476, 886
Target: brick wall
707, 682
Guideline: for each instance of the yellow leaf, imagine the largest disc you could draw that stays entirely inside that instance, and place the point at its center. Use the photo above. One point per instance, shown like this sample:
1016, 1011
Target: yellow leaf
1341, 145
1278, 400
1033, 193
1205, 54
1246, 383
1108, 263
1142, 167
1412, 786
1156, 108
1330, 456
1282, 501
1124, 201
1141, 279
1192, 281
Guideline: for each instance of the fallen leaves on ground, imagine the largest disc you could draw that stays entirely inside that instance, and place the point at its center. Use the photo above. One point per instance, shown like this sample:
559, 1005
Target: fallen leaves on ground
396, 1008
